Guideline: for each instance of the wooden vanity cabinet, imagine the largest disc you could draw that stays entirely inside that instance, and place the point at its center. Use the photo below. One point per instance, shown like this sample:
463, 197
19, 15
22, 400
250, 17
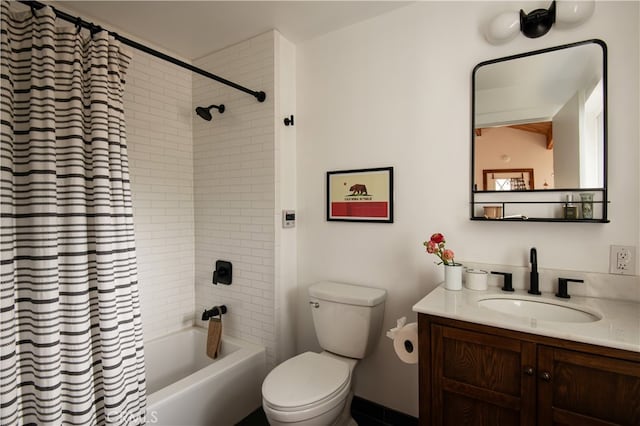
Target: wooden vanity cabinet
472, 374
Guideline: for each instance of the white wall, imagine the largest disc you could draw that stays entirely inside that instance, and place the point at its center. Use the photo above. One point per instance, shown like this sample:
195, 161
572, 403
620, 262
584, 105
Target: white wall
395, 91
286, 280
234, 195
157, 102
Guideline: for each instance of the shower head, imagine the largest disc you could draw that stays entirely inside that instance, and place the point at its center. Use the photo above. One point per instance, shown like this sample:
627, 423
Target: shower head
205, 113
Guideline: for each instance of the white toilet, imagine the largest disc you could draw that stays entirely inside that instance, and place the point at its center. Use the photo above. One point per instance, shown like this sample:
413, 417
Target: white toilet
315, 388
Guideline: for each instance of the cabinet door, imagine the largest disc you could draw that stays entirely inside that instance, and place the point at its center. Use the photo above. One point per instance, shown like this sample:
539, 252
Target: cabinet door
576, 388
481, 379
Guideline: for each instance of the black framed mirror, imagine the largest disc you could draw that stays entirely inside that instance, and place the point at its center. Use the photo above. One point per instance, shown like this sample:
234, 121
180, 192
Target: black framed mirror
539, 134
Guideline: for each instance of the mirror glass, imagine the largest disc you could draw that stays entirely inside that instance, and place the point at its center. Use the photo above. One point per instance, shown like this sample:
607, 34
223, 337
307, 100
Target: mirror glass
539, 120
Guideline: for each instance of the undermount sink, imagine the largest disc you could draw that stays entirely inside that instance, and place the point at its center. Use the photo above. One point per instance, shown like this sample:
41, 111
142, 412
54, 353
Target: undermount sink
541, 310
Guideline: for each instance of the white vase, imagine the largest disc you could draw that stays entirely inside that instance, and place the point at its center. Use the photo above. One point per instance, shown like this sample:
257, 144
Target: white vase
453, 277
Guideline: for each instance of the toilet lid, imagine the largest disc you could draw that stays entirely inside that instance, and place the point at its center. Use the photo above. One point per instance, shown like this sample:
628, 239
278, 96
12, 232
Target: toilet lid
304, 379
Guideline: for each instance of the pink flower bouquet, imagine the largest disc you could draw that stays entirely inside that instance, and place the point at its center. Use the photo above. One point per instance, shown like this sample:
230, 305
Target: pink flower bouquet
435, 245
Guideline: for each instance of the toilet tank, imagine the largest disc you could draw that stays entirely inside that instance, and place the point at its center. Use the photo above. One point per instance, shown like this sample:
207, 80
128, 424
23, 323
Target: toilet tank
347, 318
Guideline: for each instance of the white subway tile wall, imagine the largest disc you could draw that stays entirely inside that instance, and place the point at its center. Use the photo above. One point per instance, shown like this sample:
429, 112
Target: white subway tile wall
158, 110
234, 196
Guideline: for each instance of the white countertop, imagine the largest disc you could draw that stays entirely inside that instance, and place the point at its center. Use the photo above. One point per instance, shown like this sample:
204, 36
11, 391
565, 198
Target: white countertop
618, 328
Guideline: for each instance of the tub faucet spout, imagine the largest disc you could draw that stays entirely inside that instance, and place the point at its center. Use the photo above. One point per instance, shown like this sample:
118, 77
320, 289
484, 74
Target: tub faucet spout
533, 275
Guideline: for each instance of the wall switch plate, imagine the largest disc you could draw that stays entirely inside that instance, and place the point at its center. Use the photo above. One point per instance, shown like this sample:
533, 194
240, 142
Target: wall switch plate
622, 260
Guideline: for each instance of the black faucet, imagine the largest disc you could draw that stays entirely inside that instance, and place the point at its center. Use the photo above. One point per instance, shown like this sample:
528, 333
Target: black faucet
533, 275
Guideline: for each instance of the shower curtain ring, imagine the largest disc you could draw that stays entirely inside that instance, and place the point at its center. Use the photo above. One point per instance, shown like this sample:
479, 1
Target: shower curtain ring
95, 29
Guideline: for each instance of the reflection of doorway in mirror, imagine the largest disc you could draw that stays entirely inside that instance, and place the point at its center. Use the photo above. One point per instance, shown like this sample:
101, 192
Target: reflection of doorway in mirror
508, 180
502, 184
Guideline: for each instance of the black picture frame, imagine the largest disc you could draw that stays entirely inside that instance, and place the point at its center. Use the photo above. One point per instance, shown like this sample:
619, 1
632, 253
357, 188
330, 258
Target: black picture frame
360, 195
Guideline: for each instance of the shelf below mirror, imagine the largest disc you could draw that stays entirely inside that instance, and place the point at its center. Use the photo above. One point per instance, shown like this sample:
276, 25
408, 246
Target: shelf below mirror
579, 206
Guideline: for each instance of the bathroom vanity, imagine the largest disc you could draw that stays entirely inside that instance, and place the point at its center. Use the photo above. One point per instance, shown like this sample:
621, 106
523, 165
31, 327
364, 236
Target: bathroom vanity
483, 367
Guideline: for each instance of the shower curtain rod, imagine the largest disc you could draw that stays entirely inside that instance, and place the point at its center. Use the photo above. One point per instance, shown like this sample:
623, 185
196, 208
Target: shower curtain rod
260, 96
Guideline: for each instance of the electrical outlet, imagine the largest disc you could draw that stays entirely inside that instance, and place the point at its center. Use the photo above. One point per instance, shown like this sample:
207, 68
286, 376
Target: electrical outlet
622, 260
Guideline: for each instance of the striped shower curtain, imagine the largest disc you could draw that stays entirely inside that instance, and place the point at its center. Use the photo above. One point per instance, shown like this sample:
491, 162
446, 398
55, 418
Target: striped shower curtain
71, 334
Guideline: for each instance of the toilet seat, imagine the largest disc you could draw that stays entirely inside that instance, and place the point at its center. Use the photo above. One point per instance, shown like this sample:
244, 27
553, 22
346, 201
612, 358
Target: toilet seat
305, 381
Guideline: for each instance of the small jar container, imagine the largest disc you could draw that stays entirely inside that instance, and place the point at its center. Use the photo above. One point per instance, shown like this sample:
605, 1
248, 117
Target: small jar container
476, 279
493, 212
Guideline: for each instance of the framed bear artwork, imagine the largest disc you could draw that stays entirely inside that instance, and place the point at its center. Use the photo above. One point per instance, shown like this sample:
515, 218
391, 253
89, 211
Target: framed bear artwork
361, 195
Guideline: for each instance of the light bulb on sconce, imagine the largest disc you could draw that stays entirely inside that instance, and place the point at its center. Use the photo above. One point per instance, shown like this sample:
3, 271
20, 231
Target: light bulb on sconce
570, 14
564, 13
503, 28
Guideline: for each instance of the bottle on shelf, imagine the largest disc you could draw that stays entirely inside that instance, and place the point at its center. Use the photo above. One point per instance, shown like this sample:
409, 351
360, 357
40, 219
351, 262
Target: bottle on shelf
570, 211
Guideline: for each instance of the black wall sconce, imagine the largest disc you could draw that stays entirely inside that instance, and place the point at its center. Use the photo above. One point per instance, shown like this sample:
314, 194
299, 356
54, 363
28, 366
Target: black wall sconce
566, 13
537, 22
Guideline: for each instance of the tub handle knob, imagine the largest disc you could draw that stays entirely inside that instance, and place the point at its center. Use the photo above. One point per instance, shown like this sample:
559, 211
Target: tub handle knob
314, 304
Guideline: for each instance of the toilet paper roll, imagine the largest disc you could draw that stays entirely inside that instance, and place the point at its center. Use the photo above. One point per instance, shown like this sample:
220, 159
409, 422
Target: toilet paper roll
405, 343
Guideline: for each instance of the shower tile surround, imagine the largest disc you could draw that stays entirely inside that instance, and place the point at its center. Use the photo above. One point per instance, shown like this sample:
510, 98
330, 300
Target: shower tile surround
204, 191
158, 106
234, 191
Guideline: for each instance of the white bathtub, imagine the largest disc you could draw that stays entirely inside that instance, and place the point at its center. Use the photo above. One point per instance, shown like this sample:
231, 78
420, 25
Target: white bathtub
187, 388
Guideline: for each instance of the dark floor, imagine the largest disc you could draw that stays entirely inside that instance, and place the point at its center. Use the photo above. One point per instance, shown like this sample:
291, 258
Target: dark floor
257, 418
365, 413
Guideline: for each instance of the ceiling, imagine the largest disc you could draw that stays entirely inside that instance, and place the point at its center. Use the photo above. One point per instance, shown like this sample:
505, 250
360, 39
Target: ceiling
192, 29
